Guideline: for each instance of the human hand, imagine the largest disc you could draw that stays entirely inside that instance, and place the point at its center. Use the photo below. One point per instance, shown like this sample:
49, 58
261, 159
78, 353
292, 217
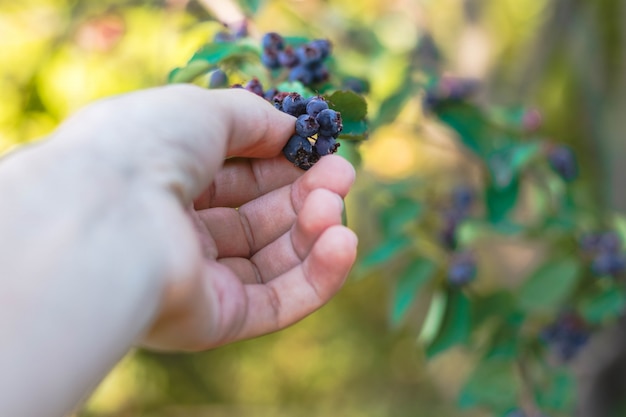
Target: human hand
123, 228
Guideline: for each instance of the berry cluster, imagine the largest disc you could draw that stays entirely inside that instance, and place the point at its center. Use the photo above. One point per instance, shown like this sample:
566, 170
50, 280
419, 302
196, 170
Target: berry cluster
461, 202
563, 161
566, 336
317, 125
605, 251
305, 63
462, 269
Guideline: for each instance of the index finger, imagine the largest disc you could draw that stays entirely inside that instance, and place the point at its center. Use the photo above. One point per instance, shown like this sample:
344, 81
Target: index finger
181, 134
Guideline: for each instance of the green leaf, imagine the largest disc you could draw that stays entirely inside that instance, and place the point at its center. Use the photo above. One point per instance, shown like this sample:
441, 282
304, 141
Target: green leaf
214, 53
392, 105
188, 73
403, 211
507, 163
352, 106
505, 341
251, 6
418, 273
385, 252
493, 305
500, 201
492, 384
469, 123
434, 317
295, 87
549, 285
354, 130
559, 393
456, 326
608, 304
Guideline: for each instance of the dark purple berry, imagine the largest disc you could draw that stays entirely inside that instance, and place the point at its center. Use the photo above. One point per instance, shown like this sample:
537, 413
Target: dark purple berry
273, 41
610, 242
297, 145
236, 86
294, 104
320, 73
302, 74
306, 125
269, 58
278, 99
325, 145
241, 30
566, 336
288, 57
218, 79
563, 162
315, 105
255, 86
330, 122
608, 264
270, 94
309, 55
323, 46
462, 269
462, 198
355, 84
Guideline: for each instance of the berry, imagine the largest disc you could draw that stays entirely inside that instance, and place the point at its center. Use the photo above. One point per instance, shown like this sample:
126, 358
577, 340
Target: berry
355, 84
462, 198
320, 73
323, 46
306, 125
325, 145
241, 30
316, 105
309, 55
270, 94
563, 162
273, 41
302, 74
330, 122
609, 242
269, 58
462, 269
566, 336
608, 264
255, 86
218, 79
294, 104
297, 146
288, 58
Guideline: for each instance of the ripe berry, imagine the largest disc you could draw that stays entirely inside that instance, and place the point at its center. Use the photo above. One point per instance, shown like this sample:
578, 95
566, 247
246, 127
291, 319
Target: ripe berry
462, 198
608, 264
218, 79
223, 37
288, 57
269, 58
325, 145
566, 336
270, 94
330, 122
273, 41
462, 269
609, 242
302, 74
309, 55
306, 125
320, 73
297, 147
315, 105
255, 86
323, 46
563, 161
294, 104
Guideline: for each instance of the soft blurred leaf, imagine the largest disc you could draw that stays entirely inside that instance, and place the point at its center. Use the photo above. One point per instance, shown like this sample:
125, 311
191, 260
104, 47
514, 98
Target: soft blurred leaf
493, 384
505, 341
434, 317
549, 285
500, 201
607, 304
468, 122
386, 251
189, 72
393, 104
352, 106
418, 273
403, 211
507, 163
559, 393
456, 325
214, 53
492, 305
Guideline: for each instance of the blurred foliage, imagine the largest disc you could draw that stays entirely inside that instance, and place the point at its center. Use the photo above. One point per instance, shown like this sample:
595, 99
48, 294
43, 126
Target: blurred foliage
479, 345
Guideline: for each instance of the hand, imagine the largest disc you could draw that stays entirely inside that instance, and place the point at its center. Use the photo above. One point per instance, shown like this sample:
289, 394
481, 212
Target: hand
129, 226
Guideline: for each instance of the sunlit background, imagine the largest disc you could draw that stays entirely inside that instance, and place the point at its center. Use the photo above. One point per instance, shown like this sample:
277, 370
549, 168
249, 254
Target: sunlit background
565, 57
